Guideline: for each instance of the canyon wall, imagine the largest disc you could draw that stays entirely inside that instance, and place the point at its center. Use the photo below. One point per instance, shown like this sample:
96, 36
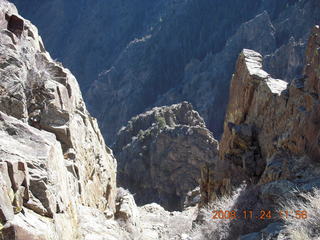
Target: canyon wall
53, 158
271, 129
57, 176
130, 56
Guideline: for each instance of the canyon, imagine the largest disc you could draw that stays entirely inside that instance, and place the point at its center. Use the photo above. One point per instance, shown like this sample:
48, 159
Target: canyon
165, 171
130, 56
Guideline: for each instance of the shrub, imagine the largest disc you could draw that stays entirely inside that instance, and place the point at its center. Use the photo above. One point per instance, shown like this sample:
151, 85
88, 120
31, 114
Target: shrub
309, 227
161, 121
216, 229
121, 193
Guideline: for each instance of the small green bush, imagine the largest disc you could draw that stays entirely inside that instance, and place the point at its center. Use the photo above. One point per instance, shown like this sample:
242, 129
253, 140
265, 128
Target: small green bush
161, 121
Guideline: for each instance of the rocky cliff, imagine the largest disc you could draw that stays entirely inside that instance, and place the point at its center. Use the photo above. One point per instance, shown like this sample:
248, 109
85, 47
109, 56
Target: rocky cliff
53, 158
161, 152
155, 53
57, 176
271, 133
58, 179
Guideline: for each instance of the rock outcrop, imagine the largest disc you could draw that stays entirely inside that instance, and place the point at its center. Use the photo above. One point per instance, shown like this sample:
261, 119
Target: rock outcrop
160, 154
271, 130
53, 158
148, 222
270, 142
36, 194
57, 177
37, 90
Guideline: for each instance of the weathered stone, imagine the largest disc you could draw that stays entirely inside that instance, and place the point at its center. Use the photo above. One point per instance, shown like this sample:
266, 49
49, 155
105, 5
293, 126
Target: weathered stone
161, 152
157, 223
128, 212
30, 226
271, 232
271, 132
6, 209
278, 191
192, 198
277, 168
5, 174
52, 155
53, 158
36, 205
17, 172
95, 226
40, 91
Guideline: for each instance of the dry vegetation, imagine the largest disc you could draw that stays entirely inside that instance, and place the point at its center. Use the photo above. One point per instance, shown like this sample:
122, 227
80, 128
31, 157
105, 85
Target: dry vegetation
294, 228
216, 229
303, 229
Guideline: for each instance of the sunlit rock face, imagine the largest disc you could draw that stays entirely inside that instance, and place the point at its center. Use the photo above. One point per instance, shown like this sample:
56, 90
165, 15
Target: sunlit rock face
57, 176
271, 131
155, 53
270, 143
52, 155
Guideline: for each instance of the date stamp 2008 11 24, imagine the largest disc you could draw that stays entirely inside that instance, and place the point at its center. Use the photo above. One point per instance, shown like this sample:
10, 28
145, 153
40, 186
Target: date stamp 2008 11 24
260, 215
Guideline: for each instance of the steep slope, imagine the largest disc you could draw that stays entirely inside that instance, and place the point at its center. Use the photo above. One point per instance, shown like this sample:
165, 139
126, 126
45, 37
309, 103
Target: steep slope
161, 152
39, 91
182, 61
52, 156
155, 53
57, 177
271, 137
88, 36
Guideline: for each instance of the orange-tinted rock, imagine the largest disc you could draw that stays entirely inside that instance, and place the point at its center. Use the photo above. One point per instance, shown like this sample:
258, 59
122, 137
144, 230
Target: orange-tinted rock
271, 130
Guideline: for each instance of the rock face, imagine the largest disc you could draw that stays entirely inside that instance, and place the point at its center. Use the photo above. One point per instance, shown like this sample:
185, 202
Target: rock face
57, 177
159, 52
53, 158
37, 90
35, 183
160, 154
271, 130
